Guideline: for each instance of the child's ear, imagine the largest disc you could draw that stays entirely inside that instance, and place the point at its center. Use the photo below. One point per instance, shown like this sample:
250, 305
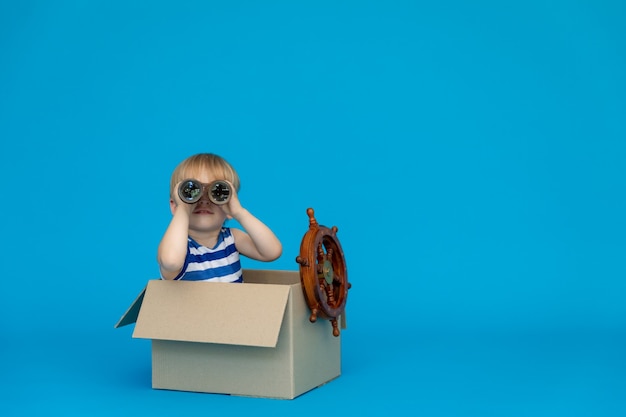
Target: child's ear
172, 206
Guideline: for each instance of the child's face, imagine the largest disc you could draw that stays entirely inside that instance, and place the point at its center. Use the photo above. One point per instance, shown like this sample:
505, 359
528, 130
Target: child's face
205, 215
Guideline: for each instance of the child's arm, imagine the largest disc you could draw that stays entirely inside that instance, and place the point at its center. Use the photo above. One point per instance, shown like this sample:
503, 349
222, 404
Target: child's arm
258, 241
173, 247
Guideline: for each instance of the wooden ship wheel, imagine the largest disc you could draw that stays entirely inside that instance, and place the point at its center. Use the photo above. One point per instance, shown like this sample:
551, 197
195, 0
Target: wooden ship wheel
323, 272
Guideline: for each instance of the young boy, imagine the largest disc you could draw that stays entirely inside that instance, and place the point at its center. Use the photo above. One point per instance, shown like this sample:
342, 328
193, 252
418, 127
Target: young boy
196, 245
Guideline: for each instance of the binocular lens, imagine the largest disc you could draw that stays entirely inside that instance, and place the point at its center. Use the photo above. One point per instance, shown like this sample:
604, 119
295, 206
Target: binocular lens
220, 192
190, 191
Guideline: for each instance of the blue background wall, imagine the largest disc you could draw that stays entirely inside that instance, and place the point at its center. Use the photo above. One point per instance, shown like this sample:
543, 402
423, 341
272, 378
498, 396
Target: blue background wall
471, 153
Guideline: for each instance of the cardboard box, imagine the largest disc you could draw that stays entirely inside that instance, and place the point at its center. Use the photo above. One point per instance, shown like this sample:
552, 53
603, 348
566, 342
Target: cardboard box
251, 339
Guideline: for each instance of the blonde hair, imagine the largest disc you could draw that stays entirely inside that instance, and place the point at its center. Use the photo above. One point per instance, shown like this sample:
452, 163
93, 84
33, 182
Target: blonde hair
204, 162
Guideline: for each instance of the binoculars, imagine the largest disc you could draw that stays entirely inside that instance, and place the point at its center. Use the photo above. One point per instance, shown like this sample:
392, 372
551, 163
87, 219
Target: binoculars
191, 191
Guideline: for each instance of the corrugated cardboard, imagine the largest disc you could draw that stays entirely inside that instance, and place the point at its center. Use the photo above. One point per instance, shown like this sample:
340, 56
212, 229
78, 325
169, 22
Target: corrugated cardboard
251, 339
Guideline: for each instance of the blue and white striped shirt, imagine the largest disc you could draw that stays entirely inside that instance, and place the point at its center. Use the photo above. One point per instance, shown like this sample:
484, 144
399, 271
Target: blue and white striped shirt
217, 264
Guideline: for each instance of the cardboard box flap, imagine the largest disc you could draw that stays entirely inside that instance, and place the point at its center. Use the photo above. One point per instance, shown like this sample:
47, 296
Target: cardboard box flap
131, 314
233, 314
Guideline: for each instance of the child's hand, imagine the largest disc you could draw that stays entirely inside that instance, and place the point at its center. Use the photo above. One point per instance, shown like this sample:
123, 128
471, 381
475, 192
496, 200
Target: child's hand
233, 207
179, 204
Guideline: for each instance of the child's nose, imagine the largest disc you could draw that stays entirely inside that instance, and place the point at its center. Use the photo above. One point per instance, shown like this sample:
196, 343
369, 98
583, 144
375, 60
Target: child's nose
204, 199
